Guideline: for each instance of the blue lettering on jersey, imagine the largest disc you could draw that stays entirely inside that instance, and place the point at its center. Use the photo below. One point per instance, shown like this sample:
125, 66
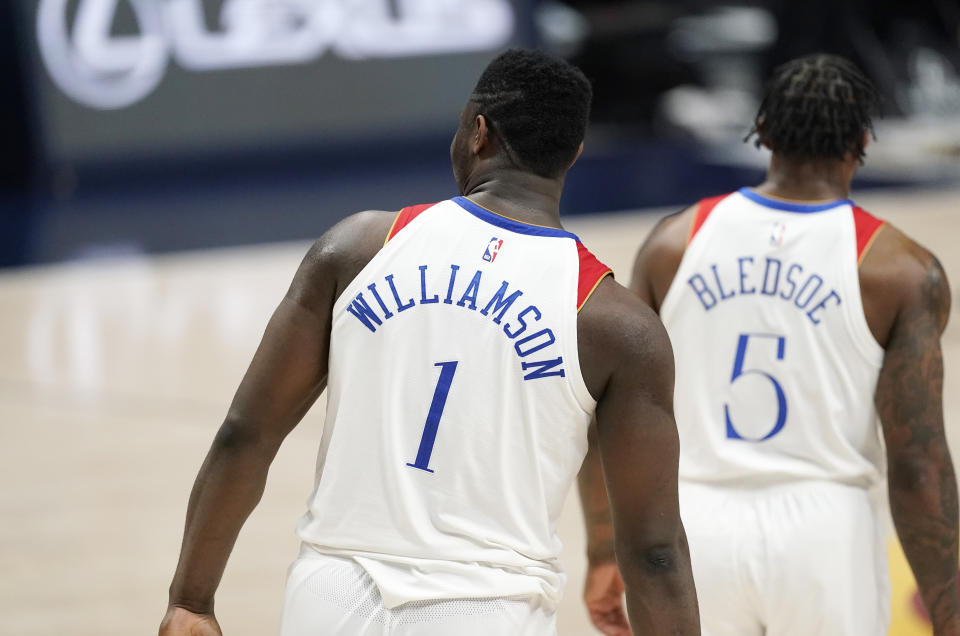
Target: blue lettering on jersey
807, 291
803, 290
364, 314
497, 306
500, 304
770, 284
423, 288
470, 294
523, 323
716, 277
373, 290
790, 279
534, 343
453, 279
702, 290
822, 305
743, 276
540, 369
400, 306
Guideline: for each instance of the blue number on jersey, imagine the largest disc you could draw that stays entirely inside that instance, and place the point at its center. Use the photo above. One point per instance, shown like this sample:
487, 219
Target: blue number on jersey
447, 369
738, 371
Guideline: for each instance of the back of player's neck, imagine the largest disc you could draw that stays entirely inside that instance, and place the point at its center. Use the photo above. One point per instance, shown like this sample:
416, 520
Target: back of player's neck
529, 199
807, 181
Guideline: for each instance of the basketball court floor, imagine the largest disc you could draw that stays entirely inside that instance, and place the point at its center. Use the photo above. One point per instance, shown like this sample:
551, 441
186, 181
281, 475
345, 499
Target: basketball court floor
115, 375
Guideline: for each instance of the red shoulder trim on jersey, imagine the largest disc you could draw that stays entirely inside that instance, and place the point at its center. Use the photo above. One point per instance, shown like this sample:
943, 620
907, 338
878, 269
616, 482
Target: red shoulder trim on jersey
404, 217
592, 271
867, 226
704, 208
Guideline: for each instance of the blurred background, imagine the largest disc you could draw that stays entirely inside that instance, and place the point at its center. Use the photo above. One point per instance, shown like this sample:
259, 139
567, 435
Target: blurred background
141, 126
165, 163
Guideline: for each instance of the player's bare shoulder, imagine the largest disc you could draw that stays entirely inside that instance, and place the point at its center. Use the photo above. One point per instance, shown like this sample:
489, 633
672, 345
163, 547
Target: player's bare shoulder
337, 257
901, 278
659, 257
619, 334
669, 237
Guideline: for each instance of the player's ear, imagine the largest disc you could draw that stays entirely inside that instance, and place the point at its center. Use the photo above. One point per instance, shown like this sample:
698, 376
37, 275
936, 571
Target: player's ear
852, 156
481, 133
577, 156
758, 131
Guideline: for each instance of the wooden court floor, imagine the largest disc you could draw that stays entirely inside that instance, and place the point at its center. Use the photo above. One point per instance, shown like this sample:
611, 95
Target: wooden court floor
114, 377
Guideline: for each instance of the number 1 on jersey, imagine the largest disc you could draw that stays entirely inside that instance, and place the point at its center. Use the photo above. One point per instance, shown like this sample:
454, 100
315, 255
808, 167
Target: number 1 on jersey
447, 369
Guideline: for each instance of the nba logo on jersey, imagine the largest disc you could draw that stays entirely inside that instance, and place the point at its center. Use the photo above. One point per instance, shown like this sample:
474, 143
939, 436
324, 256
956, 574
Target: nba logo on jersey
493, 248
776, 234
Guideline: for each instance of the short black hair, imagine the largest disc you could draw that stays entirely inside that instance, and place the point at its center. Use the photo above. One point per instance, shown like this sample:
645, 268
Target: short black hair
816, 107
538, 105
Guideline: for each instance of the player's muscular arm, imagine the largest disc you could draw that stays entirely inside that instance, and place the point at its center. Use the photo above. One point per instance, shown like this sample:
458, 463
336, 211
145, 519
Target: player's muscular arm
654, 267
287, 374
922, 485
637, 443
595, 505
658, 259
603, 585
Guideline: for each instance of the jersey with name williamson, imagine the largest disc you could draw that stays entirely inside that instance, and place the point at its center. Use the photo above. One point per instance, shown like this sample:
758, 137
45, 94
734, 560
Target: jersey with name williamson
456, 413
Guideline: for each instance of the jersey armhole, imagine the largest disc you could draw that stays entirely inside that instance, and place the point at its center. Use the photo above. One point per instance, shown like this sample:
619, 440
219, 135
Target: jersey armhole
704, 208
592, 272
867, 228
404, 217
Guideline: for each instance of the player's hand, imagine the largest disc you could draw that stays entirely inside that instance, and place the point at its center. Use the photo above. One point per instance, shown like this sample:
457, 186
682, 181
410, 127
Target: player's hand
603, 594
182, 622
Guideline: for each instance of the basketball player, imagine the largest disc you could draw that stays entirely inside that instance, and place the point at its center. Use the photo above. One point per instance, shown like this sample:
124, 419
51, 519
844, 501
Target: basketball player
465, 346
796, 319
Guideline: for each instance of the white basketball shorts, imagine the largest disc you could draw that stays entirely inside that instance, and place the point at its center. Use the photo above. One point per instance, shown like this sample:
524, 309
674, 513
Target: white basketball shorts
804, 559
333, 596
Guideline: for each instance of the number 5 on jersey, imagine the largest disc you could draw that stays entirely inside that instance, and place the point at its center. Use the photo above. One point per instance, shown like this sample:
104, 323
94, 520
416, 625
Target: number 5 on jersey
739, 371
447, 369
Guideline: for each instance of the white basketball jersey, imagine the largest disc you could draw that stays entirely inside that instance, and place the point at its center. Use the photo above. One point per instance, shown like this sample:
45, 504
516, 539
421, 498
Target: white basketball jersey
457, 413
776, 366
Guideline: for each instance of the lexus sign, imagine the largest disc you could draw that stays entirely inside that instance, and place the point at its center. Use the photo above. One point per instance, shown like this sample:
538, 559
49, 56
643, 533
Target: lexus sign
103, 70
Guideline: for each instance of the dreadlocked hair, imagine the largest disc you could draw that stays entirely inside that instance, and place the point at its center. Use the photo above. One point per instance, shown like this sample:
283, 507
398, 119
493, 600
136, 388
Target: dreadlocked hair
816, 107
538, 105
